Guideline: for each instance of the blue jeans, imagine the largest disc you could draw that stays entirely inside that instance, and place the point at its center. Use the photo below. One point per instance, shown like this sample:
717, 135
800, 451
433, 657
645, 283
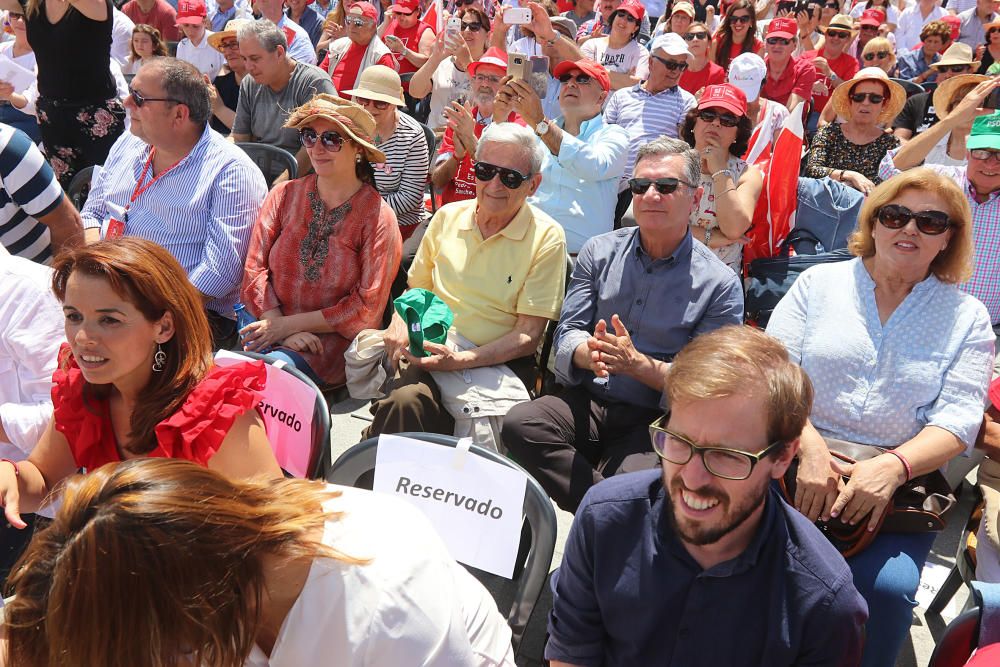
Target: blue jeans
887, 575
293, 358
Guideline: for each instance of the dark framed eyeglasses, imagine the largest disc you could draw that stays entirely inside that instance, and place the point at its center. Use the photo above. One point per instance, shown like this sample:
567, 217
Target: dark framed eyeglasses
510, 178
984, 154
138, 99
229, 44
378, 104
487, 78
581, 79
725, 119
784, 41
692, 36
869, 28
874, 98
472, 27
953, 69
876, 54
665, 186
742, 18
358, 23
931, 223
331, 141
724, 462
837, 34
671, 65
403, 13
628, 17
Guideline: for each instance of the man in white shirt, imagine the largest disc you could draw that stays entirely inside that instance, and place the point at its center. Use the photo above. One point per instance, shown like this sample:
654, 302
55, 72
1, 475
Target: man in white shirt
194, 48
121, 36
912, 21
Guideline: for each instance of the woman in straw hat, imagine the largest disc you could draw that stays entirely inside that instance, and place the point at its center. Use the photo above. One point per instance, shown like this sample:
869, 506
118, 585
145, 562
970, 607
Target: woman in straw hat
850, 152
989, 52
225, 89
325, 247
402, 177
950, 150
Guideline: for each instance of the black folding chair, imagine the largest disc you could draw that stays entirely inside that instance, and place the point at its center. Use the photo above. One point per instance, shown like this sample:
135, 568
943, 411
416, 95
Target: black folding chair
271, 160
431, 152
79, 186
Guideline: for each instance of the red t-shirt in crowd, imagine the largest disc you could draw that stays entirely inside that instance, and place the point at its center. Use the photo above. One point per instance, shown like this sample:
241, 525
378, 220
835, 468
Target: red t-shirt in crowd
736, 49
695, 81
844, 66
463, 186
162, 16
411, 39
798, 77
346, 71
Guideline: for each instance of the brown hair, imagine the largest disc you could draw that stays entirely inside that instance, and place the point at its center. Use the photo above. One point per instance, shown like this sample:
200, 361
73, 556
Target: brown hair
159, 48
480, 14
724, 35
743, 131
147, 276
156, 563
937, 29
743, 361
954, 263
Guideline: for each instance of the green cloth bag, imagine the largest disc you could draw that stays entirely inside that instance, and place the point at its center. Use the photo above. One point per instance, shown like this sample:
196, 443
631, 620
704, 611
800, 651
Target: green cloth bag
427, 318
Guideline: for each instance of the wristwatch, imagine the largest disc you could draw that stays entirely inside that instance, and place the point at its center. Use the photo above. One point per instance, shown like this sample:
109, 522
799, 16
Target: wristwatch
542, 128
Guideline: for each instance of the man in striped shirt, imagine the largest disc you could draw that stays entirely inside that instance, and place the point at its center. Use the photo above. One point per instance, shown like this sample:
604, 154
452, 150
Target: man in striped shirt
175, 181
36, 218
653, 108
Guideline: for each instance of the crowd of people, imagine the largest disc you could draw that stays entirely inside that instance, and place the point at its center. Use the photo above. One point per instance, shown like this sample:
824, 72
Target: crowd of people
591, 177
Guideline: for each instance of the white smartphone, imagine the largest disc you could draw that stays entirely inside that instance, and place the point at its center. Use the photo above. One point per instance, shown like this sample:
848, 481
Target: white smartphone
454, 28
517, 15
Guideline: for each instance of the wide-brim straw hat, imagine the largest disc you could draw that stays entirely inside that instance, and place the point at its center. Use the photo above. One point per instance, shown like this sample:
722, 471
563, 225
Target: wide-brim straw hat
840, 22
946, 90
890, 108
350, 118
957, 54
217, 38
379, 83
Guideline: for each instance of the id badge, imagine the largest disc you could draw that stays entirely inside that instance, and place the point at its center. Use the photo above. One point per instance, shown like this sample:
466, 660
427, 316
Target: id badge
116, 229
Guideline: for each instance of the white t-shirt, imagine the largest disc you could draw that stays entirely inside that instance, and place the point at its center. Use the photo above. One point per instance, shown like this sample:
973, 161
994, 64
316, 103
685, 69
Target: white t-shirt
891, 13
204, 57
412, 604
448, 84
939, 154
121, 36
911, 22
630, 59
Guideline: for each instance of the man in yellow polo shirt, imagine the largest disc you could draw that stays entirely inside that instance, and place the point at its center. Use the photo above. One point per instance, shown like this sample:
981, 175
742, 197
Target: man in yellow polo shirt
499, 264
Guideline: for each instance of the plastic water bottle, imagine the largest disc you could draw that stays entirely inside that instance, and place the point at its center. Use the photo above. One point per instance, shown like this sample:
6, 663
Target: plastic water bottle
244, 318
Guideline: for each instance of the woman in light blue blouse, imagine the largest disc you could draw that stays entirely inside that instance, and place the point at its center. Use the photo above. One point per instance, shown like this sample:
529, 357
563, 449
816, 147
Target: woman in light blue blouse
900, 358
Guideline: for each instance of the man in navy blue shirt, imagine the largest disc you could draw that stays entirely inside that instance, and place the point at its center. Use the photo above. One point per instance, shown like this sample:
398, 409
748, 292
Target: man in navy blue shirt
636, 297
702, 562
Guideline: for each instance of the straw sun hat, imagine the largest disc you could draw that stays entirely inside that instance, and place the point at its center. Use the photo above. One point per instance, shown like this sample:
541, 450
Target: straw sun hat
217, 38
351, 119
379, 83
946, 90
890, 108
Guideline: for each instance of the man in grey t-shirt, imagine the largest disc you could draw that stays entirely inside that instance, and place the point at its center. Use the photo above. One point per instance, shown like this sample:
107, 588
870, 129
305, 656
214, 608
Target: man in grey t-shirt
277, 85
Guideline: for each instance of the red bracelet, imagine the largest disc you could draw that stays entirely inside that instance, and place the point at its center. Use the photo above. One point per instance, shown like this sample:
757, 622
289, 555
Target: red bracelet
17, 471
906, 464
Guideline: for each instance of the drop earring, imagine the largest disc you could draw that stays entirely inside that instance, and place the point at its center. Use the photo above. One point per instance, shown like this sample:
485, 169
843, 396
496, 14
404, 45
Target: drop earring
357, 158
159, 359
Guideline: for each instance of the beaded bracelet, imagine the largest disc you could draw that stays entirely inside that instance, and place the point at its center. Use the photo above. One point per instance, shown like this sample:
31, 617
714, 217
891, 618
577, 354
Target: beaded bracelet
906, 464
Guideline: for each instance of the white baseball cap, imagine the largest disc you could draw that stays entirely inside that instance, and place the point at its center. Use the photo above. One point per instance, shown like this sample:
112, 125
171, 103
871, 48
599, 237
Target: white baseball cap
747, 72
670, 43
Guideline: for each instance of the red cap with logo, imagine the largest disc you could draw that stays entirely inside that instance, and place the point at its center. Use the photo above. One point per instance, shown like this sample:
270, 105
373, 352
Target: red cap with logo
191, 12
783, 27
405, 6
724, 96
954, 22
595, 70
873, 17
633, 9
365, 9
493, 57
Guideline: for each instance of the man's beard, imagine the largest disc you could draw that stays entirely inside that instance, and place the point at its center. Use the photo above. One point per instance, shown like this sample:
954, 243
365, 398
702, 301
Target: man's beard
699, 533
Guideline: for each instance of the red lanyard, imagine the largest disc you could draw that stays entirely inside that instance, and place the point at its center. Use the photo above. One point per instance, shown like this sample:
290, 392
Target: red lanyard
139, 187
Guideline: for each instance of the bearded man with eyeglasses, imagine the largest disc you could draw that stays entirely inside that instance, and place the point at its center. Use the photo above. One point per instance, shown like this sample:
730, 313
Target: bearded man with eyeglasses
700, 562
636, 297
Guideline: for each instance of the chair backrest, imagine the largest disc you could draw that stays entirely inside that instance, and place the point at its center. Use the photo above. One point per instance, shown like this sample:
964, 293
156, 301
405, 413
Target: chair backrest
290, 458
959, 640
79, 186
538, 537
431, 143
910, 87
271, 160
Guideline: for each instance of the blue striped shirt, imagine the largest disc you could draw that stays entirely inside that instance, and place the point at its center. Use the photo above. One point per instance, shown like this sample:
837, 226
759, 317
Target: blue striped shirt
646, 116
28, 190
202, 210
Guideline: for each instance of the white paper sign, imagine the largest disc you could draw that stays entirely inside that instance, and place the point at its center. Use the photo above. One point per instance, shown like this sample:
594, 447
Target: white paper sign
475, 504
19, 77
286, 410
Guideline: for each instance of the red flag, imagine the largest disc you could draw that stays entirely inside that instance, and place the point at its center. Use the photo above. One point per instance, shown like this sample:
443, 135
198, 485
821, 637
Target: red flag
434, 16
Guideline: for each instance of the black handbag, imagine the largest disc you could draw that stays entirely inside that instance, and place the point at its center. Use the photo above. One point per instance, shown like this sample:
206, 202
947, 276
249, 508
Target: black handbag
918, 506
770, 278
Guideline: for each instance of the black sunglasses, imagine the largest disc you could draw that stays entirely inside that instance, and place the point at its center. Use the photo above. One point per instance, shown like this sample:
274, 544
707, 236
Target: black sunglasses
832, 5
510, 178
778, 40
725, 119
869, 28
723, 462
874, 98
880, 54
691, 36
837, 34
953, 69
581, 79
931, 223
331, 141
358, 23
381, 106
671, 65
473, 27
139, 100
665, 186
628, 17
740, 19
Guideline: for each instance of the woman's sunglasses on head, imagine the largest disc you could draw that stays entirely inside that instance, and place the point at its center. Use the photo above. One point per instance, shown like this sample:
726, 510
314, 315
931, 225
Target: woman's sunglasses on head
331, 141
931, 223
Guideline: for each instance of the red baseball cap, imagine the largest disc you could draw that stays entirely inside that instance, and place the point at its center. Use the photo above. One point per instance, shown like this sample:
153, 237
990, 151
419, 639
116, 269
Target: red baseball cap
595, 70
874, 17
954, 22
633, 9
724, 96
493, 57
366, 9
191, 12
405, 6
783, 27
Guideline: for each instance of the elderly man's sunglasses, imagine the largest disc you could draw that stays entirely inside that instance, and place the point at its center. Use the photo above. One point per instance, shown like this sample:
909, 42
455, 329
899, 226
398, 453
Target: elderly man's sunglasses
358, 23
784, 41
581, 79
140, 100
725, 119
837, 34
953, 69
665, 186
874, 98
743, 18
876, 54
510, 178
331, 141
931, 223
724, 462
671, 65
